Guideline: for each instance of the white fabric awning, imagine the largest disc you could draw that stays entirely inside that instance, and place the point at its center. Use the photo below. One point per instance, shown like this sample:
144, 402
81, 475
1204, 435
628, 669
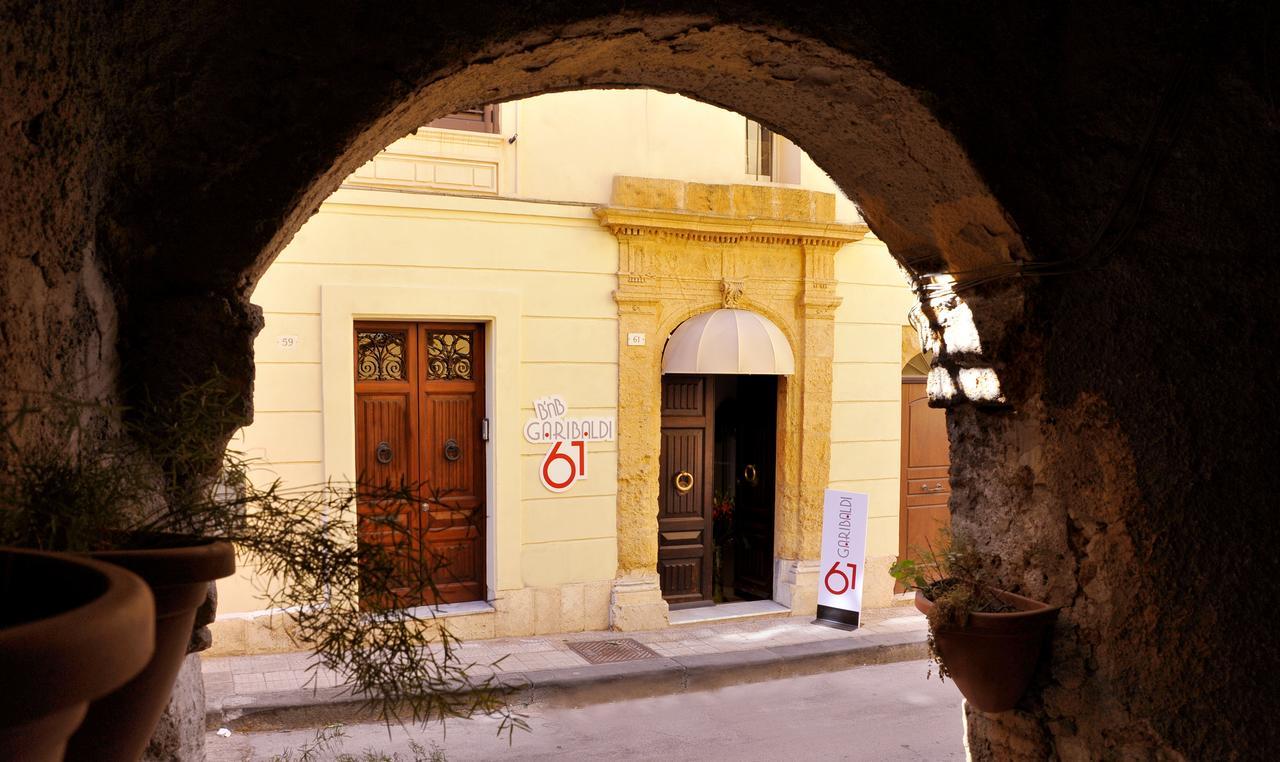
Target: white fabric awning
728, 341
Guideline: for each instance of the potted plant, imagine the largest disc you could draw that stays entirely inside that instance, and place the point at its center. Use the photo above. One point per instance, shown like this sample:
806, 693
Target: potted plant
71, 630
170, 502
97, 495
987, 640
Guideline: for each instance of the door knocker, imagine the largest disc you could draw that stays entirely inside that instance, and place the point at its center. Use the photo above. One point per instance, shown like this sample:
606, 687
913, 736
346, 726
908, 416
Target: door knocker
684, 482
382, 453
452, 452
750, 476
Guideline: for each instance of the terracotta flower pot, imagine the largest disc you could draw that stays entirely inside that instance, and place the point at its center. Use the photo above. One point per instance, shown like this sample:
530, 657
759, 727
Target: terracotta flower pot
119, 724
71, 630
993, 658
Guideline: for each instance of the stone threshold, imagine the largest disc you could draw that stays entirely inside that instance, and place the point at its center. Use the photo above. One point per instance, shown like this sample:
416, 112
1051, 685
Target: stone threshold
446, 610
727, 612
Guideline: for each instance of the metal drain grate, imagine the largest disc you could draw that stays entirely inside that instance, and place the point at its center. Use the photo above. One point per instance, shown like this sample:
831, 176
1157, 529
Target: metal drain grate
610, 651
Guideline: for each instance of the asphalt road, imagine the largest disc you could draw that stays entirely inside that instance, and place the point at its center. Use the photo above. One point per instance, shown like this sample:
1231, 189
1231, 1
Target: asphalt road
884, 712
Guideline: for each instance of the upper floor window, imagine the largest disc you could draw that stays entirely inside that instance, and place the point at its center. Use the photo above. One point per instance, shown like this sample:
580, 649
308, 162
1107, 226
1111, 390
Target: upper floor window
770, 156
482, 119
759, 150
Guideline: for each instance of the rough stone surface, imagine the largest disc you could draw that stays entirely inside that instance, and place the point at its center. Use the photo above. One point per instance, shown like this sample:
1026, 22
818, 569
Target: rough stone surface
546, 610
637, 603
877, 590
516, 611
527, 611
795, 585
201, 637
572, 608
179, 736
1104, 174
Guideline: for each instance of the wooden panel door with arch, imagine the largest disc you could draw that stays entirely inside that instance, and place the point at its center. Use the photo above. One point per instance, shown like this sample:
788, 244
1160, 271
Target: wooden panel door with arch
419, 407
685, 546
926, 463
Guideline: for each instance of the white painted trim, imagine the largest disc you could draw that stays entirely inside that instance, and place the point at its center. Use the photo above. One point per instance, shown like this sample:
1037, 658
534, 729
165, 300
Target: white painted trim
500, 310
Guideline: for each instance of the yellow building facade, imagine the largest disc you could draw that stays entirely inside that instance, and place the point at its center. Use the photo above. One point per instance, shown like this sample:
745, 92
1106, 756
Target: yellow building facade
565, 246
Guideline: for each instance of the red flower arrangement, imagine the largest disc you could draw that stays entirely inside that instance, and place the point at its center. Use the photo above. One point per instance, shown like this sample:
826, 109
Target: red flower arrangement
722, 515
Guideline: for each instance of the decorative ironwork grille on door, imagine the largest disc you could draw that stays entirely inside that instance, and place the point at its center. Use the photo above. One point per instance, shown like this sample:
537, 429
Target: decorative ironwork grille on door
448, 356
380, 355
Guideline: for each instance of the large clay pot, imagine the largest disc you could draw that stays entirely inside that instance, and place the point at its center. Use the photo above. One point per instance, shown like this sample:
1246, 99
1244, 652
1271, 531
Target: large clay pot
119, 724
993, 658
71, 630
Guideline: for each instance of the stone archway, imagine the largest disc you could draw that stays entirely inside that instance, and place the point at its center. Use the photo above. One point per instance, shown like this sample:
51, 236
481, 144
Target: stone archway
156, 158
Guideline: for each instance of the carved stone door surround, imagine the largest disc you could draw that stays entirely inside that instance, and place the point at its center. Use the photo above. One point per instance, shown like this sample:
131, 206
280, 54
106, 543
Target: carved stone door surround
686, 248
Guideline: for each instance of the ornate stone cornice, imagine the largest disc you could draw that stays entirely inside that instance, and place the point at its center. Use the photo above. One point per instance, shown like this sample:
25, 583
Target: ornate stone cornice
637, 300
818, 303
626, 222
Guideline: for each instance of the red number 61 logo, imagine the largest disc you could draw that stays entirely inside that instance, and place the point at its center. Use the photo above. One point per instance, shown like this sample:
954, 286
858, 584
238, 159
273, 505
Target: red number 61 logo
846, 582
561, 469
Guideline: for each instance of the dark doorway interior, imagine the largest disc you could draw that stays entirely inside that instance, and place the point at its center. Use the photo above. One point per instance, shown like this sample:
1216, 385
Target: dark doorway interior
743, 486
715, 497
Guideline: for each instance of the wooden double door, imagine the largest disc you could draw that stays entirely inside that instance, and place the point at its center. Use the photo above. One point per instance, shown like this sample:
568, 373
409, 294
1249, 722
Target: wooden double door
420, 458
926, 464
718, 440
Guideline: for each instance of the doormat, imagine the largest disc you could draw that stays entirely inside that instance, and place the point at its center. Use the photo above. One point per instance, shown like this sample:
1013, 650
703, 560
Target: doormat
610, 651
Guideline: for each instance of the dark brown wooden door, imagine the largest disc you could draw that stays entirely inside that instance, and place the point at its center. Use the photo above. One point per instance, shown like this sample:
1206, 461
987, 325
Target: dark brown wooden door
419, 410
926, 461
754, 486
685, 546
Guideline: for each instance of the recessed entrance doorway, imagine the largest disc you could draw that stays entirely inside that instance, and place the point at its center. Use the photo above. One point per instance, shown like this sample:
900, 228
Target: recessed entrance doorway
716, 498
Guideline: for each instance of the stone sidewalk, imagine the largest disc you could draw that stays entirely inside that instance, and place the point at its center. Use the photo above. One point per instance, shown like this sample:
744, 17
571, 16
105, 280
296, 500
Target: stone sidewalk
280, 691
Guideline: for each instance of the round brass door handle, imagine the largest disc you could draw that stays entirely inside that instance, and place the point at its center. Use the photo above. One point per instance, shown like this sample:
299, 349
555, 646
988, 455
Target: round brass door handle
382, 453
452, 452
684, 482
750, 475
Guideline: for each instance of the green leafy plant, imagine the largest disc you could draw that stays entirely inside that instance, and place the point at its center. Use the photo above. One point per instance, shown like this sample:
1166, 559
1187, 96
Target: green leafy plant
951, 575
83, 481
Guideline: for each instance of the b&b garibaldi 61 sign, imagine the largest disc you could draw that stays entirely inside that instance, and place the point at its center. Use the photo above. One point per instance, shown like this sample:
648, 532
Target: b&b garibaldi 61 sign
566, 459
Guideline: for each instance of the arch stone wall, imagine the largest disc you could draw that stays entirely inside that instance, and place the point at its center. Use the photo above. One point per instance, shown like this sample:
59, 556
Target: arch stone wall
1104, 175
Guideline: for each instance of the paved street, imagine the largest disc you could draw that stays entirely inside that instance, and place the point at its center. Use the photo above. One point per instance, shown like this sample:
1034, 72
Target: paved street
238, 686
884, 712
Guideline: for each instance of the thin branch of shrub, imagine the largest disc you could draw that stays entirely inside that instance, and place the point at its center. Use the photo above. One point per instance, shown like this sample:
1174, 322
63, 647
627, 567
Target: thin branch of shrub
338, 559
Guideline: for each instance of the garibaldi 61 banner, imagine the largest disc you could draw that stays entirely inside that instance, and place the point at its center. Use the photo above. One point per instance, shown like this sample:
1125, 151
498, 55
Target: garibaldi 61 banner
844, 550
